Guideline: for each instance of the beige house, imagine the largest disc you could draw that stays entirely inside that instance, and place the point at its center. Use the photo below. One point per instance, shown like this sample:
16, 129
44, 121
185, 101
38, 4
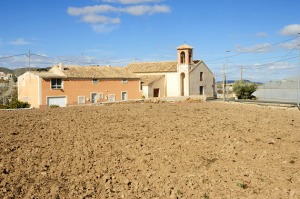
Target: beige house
184, 77
72, 85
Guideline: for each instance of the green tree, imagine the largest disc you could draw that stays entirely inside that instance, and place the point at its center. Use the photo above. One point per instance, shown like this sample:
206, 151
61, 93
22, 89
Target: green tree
244, 90
15, 78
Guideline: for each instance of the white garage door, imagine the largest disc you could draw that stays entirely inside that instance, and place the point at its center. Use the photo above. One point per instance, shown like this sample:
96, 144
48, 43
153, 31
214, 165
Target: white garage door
60, 101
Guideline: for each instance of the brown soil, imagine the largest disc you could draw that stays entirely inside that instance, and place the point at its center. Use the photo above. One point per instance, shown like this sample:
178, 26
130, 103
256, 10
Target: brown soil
151, 150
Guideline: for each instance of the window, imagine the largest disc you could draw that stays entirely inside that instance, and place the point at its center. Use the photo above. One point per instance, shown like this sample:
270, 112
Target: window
124, 81
100, 96
81, 100
25, 99
56, 83
201, 76
95, 81
111, 97
124, 95
94, 97
141, 85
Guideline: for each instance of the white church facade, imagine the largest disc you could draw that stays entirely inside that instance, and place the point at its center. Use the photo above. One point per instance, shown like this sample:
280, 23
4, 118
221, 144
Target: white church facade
183, 77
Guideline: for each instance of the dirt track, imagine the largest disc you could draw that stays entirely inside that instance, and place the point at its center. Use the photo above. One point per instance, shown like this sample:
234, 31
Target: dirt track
151, 150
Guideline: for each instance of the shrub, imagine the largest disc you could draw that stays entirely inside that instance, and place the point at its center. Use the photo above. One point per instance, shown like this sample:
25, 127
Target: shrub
14, 104
54, 106
244, 90
2, 106
18, 104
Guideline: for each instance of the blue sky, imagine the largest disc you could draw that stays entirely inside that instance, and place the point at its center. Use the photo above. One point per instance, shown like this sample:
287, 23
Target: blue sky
116, 32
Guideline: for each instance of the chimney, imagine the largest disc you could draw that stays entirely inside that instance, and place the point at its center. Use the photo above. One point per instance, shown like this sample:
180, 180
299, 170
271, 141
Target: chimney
61, 66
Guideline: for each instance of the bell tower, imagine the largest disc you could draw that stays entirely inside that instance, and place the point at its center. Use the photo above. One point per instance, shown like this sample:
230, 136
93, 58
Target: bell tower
185, 54
184, 62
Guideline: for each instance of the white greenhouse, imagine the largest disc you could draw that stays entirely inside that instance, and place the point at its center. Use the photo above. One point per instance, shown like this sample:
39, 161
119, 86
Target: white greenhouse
285, 90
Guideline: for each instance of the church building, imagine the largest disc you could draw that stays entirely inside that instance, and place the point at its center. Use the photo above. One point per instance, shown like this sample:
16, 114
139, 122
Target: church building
183, 77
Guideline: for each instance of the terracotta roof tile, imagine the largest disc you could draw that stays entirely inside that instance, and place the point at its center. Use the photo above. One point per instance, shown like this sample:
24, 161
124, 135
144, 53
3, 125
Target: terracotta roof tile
184, 46
97, 72
45, 74
148, 79
152, 67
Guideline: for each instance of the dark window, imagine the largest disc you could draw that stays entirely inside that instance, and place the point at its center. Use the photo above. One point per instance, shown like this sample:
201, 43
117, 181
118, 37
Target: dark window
182, 57
124, 96
56, 83
201, 76
141, 85
156, 92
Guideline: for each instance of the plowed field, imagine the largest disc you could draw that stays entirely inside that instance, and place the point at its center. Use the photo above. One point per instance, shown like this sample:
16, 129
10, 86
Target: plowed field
151, 150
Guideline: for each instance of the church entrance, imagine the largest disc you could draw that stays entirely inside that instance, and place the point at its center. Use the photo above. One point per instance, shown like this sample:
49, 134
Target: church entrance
182, 78
156, 92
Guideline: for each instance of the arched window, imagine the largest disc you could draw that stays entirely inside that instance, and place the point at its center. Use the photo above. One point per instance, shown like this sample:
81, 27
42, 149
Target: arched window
190, 57
182, 57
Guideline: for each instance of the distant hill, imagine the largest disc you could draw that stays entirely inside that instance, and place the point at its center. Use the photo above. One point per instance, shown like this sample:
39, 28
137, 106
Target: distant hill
20, 71
232, 81
6, 70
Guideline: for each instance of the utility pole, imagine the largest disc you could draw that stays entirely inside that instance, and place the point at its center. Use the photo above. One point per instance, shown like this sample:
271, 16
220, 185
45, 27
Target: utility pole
298, 87
225, 75
241, 73
29, 57
29, 60
224, 83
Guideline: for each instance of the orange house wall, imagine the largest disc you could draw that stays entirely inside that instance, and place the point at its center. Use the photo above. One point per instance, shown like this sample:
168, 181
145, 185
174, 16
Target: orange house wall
28, 87
72, 88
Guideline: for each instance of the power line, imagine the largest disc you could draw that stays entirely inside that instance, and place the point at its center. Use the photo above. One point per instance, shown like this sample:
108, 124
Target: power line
281, 59
257, 59
250, 51
7, 57
272, 63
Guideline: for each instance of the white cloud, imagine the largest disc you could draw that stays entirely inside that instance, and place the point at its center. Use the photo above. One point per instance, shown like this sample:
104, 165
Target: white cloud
94, 19
133, 10
261, 34
144, 9
280, 65
20, 42
290, 45
292, 29
95, 15
273, 66
91, 10
257, 48
131, 1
